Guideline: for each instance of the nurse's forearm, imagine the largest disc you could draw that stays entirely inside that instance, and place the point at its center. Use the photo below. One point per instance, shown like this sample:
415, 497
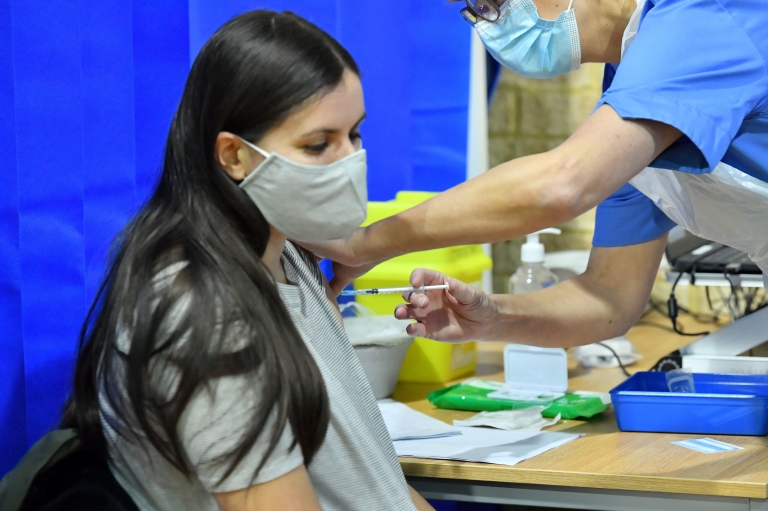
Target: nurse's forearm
601, 304
526, 194
507, 201
567, 314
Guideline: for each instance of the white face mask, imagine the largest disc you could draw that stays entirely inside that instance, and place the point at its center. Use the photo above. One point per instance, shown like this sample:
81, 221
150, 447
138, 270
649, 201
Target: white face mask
310, 202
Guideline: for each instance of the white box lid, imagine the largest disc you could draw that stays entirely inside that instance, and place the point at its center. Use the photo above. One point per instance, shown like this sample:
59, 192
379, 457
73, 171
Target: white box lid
530, 367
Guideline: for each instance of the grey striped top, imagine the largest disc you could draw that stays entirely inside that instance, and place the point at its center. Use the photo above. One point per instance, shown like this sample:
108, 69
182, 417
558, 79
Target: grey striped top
355, 468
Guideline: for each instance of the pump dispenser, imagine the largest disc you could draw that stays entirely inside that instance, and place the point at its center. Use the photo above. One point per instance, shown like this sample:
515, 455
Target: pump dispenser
532, 274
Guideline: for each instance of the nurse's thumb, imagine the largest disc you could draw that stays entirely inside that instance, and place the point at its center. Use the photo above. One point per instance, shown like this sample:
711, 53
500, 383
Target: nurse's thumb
337, 285
463, 293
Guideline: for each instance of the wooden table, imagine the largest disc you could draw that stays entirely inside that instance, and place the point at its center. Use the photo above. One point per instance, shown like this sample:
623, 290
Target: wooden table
607, 469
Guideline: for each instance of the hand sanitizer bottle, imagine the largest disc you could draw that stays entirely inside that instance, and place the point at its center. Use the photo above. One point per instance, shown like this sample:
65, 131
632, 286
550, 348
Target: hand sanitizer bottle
532, 274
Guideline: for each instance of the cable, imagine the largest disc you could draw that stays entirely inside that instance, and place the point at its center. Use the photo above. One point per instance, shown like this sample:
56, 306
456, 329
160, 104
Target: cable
712, 318
754, 300
736, 308
715, 312
763, 303
618, 358
733, 303
672, 307
728, 302
709, 299
749, 296
672, 311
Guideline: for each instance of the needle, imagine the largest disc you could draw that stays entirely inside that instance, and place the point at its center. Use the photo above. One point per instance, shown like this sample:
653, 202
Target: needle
390, 290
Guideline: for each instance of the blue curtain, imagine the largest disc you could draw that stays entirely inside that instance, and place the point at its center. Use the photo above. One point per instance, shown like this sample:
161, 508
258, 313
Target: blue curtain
87, 92
414, 58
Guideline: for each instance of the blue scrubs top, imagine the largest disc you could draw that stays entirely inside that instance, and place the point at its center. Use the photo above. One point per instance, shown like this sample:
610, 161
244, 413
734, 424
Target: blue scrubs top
700, 66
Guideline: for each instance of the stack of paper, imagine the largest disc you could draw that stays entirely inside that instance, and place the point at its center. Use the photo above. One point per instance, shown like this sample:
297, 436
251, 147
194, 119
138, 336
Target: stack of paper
417, 435
486, 446
405, 423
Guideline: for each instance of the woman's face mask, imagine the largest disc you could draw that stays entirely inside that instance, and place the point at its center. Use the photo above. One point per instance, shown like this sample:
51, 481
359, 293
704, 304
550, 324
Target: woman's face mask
530, 46
310, 202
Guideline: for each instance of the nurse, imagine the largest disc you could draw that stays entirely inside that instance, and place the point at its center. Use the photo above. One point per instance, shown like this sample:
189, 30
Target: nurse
680, 136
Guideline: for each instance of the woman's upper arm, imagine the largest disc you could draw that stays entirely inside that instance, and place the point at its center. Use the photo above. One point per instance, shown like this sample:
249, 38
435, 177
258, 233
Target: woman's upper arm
290, 492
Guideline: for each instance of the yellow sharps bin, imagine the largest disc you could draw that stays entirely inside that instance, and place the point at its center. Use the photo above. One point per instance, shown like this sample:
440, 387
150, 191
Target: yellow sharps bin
427, 360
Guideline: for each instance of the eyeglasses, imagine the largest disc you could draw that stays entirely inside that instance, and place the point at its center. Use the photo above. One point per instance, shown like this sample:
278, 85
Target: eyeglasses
481, 9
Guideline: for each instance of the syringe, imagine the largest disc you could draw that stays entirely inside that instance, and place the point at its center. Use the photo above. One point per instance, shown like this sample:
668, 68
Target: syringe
390, 290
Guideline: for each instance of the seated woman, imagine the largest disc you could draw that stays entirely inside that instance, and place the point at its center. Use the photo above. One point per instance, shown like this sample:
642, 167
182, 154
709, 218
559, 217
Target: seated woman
214, 370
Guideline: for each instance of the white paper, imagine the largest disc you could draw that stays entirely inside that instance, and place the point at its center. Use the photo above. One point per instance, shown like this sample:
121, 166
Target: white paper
528, 419
605, 397
485, 446
405, 423
417, 435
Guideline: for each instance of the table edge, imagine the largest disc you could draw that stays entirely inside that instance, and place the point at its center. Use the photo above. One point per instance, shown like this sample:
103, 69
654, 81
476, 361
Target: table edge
446, 469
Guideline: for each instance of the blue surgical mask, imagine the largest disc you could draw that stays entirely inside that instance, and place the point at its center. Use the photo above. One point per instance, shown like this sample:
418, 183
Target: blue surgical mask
530, 46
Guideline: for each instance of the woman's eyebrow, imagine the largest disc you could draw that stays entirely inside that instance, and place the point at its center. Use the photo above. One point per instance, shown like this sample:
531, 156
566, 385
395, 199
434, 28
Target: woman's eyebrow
332, 131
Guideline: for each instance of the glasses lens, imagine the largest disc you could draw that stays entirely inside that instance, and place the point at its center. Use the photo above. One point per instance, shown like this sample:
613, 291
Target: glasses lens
486, 9
468, 16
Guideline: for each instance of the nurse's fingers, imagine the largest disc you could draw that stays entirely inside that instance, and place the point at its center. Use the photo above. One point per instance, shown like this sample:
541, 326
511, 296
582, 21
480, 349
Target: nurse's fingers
416, 330
406, 311
416, 298
462, 293
413, 329
458, 292
409, 311
425, 277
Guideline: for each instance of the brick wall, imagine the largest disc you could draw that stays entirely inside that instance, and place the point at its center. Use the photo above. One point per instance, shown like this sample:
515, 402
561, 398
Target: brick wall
530, 116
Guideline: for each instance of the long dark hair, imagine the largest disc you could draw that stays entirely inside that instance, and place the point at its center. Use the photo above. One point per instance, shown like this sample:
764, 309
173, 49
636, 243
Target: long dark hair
255, 71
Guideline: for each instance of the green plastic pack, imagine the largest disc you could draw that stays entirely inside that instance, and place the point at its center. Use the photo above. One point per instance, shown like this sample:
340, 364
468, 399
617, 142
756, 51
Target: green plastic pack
472, 395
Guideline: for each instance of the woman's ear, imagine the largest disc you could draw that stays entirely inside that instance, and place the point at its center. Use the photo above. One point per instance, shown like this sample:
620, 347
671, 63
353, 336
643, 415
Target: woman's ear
233, 156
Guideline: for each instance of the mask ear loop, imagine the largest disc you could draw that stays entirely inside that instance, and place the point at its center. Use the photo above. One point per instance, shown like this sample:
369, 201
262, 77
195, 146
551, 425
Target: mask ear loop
574, 35
257, 148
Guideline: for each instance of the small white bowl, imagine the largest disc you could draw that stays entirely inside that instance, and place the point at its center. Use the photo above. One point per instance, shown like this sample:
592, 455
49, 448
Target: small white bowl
380, 343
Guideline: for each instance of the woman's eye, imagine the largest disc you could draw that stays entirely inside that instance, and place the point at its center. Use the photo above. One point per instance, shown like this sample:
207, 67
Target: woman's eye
316, 148
355, 136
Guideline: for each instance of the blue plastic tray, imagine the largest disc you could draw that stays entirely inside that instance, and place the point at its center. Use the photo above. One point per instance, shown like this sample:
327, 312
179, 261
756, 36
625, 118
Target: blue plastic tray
724, 404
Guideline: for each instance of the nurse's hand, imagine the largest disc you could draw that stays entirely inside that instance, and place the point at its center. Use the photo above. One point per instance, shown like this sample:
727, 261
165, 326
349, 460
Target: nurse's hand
347, 264
460, 313
344, 275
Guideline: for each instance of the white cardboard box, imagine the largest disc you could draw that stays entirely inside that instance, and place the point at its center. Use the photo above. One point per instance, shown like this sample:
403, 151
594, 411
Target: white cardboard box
720, 364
